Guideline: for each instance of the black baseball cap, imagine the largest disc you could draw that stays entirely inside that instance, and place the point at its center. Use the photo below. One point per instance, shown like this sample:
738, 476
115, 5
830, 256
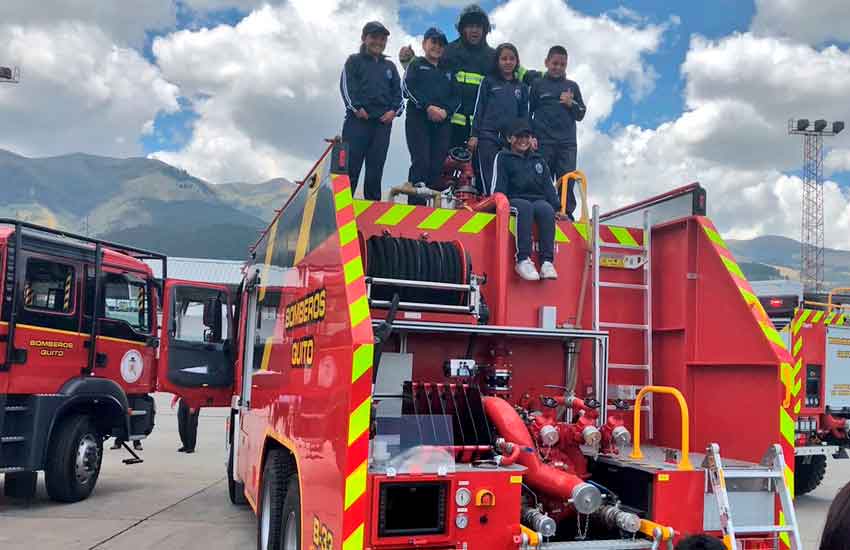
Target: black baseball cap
436, 34
519, 127
375, 27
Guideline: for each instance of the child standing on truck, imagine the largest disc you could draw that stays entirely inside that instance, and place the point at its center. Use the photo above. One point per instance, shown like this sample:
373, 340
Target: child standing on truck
522, 175
501, 100
432, 99
556, 106
371, 90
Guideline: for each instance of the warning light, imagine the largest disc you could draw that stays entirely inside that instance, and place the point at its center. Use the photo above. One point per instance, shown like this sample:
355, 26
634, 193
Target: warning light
341, 159
485, 498
776, 302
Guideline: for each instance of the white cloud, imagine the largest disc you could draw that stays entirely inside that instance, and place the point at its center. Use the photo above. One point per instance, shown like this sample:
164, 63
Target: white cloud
837, 160
79, 91
124, 23
804, 20
275, 96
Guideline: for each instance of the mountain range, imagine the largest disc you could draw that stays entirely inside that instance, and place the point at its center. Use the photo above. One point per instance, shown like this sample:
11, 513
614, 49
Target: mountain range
150, 204
138, 201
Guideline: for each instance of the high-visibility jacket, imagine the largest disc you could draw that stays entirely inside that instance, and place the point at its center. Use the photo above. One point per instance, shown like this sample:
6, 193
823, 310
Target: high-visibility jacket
470, 64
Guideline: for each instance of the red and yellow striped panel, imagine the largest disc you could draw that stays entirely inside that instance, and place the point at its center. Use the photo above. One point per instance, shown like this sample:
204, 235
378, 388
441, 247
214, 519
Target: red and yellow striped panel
786, 408
360, 401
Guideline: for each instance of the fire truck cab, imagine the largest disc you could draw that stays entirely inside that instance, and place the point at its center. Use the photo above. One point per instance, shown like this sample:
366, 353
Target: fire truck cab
67, 383
396, 384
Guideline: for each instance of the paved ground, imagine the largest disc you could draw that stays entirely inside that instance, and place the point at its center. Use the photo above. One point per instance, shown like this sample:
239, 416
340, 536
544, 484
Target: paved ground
176, 501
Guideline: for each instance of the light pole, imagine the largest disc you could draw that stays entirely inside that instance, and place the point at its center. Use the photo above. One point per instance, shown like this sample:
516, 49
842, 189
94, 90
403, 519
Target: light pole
812, 226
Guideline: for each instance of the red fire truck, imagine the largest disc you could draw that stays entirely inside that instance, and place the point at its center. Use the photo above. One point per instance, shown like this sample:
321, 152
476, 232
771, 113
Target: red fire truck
67, 383
816, 333
397, 385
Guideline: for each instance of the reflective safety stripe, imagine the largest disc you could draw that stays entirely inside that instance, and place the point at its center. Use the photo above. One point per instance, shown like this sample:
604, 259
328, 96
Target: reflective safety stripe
361, 206
343, 198
623, 236
355, 539
395, 214
829, 318
714, 236
358, 421
362, 361
817, 316
459, 119
353, 270
355, 485
733, 267
347, 233
797, 346
770, 332
786, 426
477, 223
358, 310
560, 236
437, 219
581, 228
469, 78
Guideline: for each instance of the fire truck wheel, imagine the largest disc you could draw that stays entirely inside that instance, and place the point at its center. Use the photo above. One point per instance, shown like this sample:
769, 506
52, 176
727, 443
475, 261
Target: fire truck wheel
74, 459
807, 476
272, 496
291, 528
235, 489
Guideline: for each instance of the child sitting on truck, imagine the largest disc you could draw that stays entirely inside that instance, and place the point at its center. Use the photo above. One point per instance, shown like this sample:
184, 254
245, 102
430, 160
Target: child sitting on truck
522, 175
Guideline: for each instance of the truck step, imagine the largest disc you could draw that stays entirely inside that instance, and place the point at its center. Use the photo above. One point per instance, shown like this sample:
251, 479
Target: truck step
751, 474
755, 529
619, 544
16, 408
138, 412
12, 439
12, 470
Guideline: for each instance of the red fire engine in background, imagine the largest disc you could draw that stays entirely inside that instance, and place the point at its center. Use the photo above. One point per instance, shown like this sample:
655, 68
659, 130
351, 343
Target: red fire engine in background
67, 383
815, 331
397, 385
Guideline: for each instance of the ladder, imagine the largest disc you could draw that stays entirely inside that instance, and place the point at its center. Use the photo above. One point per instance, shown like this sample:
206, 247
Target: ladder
772, 470
622, 256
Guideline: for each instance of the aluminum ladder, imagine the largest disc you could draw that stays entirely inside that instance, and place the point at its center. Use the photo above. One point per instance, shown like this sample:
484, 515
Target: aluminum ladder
622, 256
773, 471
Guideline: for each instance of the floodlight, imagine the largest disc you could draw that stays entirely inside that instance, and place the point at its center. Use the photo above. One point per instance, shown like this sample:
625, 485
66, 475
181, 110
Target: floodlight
820, 124
837, 126
802, 124
6, 73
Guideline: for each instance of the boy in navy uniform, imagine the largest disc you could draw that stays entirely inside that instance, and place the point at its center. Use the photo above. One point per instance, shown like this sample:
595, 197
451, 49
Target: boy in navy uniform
556, 106
523, 176
371, 90
432, 99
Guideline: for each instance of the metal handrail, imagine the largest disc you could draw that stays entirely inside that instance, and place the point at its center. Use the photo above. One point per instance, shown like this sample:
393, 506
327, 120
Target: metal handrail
563, 182
685, 460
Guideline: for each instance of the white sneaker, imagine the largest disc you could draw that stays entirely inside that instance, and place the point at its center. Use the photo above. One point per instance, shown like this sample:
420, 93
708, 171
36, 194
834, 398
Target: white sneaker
527, 271
547, 271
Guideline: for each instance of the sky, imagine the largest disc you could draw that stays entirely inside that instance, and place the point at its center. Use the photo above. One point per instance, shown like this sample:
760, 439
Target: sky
246, 90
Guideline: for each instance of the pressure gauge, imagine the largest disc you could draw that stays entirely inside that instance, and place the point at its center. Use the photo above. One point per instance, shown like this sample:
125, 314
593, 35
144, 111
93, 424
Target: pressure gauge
463, 497
461, 521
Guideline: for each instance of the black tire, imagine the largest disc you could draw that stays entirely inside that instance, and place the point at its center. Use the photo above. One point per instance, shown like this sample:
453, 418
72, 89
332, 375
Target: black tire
272, 496
73, 460
807, 477
235, 489
290, 529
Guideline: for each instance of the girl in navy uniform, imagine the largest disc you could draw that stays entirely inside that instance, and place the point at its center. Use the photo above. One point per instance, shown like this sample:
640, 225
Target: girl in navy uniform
432, 99
502, 99
371, 90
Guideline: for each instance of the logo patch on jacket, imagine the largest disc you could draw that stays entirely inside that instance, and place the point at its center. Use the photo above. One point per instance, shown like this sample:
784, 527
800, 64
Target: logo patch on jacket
449, 76
518, 93
539, 168
389, 74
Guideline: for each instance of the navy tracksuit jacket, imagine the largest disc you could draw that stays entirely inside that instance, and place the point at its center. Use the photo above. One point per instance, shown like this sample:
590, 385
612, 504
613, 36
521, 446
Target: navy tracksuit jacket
500, 102
427, 85
372, 84
554, 126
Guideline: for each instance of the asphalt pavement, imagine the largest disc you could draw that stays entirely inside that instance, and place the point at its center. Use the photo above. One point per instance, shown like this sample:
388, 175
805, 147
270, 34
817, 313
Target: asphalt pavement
175, 501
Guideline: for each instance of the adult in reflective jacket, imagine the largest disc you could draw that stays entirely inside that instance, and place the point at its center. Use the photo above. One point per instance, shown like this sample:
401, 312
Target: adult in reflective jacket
371, 90
470, 58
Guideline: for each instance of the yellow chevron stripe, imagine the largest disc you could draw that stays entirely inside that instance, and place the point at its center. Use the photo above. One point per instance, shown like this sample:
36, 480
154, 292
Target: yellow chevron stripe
797, 345
353, 270
355, 485
786, 426
362, 361
355, 539
795, 389
477, 223
797, 367
267, 353
733, 267
560, 236
582, 229
623, 236
714, 236
343, 199
395, 214
361, 206
358, 420
437, 219
347, 233
817, 317
358, 310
